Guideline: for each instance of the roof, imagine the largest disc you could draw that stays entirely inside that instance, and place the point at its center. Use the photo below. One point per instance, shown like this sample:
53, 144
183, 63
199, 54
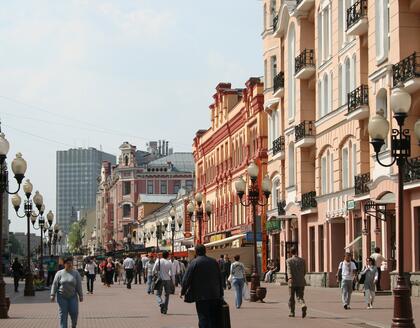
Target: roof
182, 162
156, 198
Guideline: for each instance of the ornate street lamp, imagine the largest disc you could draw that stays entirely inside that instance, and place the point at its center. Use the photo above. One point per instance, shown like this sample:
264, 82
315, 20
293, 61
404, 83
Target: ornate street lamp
43, 226
28, 213
127, 242
400, 152
253, 200
173, 225
19, 169
199, 212
55, 235
157, 231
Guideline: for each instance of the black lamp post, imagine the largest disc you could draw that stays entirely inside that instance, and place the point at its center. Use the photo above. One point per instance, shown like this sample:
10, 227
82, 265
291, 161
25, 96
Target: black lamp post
43, 226
157, 231
19, 168
28, 213
400, 152
127, 242
56, 235
199, 213
253, 200
175, 226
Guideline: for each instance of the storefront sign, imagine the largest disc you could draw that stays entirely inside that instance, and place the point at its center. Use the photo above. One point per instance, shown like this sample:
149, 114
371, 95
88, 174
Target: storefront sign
217, 237
273, 225
250, 236
351, 204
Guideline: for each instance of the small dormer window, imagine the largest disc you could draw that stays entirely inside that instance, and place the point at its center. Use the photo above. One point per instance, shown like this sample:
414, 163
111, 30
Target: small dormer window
126, 160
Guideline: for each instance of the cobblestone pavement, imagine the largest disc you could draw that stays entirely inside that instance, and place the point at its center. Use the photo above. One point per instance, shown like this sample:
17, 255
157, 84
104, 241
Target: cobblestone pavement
119, 307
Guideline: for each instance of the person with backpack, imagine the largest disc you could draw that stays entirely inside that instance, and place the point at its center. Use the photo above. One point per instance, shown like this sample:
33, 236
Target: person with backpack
347, 274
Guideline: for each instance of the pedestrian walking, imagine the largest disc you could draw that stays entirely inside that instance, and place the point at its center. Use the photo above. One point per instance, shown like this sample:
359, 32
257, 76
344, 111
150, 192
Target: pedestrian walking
109, 272
52, 267
296, 270
237, 277
163, 268
221, 262
119, 272
369, 277
149, 273
347, 271
138, 271
67, 286
228, 264
17, 273
90, 270
128, 265
144, 260
379, 260
202, 284
176, 270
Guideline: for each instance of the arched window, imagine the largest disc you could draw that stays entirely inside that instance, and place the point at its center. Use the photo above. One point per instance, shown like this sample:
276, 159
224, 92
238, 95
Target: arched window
330, 92
381, 29
325, 95
345, 167
382, 104
126, 160
126, 210
353, 73
291, 162
347, 77
341, 96
319, 85
327, 173
275, 193
291, 102
324, 31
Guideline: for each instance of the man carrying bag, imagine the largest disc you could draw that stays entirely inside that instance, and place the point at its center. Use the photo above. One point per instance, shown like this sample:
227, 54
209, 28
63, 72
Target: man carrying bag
212, 310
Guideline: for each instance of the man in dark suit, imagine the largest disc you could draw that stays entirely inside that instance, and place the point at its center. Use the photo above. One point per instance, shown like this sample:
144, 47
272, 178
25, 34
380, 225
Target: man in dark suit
296, 270
202, 284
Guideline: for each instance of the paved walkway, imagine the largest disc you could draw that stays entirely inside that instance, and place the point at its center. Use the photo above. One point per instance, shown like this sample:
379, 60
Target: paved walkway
113, 306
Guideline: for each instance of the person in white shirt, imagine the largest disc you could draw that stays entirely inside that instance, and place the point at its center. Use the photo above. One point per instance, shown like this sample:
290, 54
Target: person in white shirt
346, 273
164, 268
379, 260
149, 273
176, 270
90, 270
144, 260
128, 265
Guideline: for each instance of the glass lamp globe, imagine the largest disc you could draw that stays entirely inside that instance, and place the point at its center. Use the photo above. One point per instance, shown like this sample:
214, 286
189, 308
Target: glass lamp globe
208, 207
50, 217
180, 221
240, 185
28, 187
4, 145
172, 212
33, 217
378, 127
19, 165
400, 100
16, 201
253, 170
199, 197
38, 199
190, 208
266, 184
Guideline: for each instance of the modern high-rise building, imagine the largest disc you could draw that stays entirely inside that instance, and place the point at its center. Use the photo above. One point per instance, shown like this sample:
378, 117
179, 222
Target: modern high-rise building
77, 182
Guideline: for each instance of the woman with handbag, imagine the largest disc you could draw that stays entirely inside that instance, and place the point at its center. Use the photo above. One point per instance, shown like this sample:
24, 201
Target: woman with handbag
237, 276
368, 278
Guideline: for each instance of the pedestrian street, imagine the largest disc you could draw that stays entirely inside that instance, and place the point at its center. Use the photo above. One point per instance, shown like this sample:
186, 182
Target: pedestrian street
119, 307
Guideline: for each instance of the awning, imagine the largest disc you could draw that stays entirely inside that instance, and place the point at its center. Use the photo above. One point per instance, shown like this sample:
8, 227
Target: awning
353, 242
225, 241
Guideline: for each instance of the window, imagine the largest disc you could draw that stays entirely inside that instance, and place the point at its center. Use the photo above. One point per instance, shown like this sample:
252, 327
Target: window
353, 73
331, 173
291, 154
343, 38
163, 187
272, 10
381, 29
327, 173
382, 105
354, 163
273, 61
291, 95
321, 248
126, 188
265, 74
150, 187
324, 32
325, 95
274, 126
319, 98
265, 17
345, 168
275, 193
126, 210
323, 175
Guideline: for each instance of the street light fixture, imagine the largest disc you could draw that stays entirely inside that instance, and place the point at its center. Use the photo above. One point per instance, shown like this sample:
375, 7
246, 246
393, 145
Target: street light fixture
157, 231
199, 212
175, 226
400, 152
253, 200
19, 167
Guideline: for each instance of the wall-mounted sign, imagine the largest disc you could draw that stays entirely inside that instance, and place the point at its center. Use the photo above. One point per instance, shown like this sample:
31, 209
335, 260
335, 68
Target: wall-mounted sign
217, 237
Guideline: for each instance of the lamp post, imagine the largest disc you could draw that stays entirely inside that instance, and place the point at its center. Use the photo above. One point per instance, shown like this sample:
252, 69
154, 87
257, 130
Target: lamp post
28, 213
127, 242
253, 200
55, 234
43, 227
199, 212
157, 230
175, 226
400, 152
19, 168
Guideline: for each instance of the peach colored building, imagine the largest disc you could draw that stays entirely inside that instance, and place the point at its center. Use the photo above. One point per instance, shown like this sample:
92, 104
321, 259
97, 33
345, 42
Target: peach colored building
328, 66
238, 135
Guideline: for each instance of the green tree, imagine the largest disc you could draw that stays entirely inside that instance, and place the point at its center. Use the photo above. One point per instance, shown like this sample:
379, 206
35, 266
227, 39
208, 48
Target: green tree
76, 235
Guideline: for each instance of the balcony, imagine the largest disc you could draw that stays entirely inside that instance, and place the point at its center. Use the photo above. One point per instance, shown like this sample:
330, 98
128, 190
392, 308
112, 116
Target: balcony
407, 71
358, 103
278, 147
305, 64
303, 7
278, 85
275, 22
360, 184
305, 134
357, 20
412, 174
308, 202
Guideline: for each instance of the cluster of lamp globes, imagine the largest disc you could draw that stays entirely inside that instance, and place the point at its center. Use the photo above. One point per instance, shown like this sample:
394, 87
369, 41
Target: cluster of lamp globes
19, 167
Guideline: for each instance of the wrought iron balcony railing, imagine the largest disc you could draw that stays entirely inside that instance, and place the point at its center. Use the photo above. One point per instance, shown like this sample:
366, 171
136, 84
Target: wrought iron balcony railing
412, 173
357, 98
298, 2
281, 204
305, 59
278, 81
308, 201
356, 12
278, 145
360, 183
406, 69
304, 129
275, 22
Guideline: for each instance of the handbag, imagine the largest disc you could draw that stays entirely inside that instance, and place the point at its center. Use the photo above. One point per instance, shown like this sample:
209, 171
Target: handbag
224, 315
157, 281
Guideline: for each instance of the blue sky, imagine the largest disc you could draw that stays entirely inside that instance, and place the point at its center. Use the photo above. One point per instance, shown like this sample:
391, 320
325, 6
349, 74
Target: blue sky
99, 72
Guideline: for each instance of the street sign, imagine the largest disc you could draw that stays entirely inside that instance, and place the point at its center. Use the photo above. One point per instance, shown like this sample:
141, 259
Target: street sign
250, 237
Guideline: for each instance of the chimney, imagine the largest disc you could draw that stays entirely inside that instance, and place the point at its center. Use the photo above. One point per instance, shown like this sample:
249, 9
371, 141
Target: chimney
159, 148
167, 148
